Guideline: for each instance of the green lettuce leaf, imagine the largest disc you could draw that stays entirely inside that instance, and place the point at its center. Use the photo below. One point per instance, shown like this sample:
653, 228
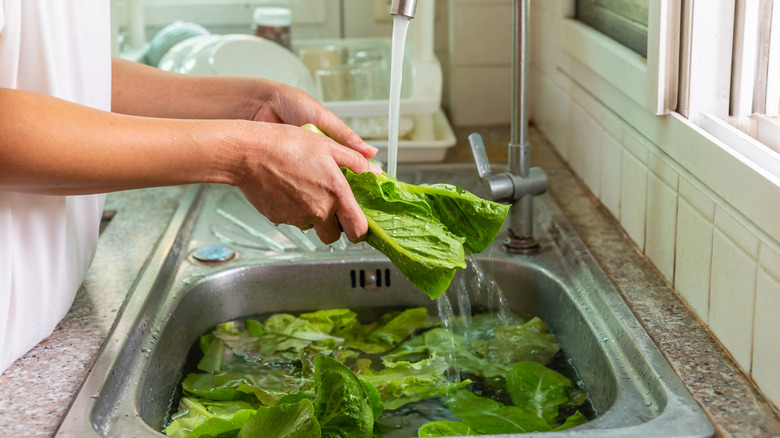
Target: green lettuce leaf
341, 404
402, 382
242, 380
391, 329
198, 417
575, 419
445, 428
541, 389
440, 344
517, 343
289, 420
488, 416
407, 232
464, 214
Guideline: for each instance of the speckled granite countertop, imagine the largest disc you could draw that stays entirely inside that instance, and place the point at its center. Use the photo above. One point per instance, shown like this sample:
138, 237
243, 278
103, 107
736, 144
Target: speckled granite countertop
36, 391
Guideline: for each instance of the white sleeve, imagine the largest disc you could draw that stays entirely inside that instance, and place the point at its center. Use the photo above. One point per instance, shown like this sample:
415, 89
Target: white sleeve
2, 15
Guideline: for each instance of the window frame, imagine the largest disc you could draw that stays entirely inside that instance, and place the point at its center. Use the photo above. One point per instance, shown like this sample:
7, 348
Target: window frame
614, 22
656, 74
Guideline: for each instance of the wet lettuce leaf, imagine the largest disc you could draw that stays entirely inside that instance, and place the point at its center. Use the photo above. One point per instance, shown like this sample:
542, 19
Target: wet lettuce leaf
517, 343
408, 234
537, 393
241, 380
400, 383
464, 214
445, 428
388, 331
199, 417
541, 389
446, 345
341, 404
426, 231
488, 416
289, 420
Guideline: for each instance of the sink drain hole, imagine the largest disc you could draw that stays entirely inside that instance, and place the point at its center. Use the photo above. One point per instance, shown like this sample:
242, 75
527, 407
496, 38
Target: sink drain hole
364, 278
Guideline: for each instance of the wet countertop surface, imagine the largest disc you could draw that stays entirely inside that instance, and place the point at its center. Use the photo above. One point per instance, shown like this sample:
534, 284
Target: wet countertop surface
37, 389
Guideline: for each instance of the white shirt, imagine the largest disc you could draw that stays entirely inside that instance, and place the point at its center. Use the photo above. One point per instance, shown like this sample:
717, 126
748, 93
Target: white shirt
61, 48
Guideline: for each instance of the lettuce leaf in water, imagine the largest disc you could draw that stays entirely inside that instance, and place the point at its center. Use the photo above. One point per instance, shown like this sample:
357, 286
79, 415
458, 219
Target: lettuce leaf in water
537, 393
541, 389
387, 332
517, 343
404, 382
341, 404
294, 420
445, 428
198, 417
425, 230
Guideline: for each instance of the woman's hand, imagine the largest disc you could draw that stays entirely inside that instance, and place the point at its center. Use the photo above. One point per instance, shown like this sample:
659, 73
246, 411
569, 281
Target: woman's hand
292, 175
285, 104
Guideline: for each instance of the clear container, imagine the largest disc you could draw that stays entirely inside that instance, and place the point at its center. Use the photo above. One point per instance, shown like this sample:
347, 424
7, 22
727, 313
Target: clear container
274, 24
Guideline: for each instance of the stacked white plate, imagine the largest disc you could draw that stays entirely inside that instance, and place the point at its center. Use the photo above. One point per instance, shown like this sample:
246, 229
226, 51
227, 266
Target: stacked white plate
241, 55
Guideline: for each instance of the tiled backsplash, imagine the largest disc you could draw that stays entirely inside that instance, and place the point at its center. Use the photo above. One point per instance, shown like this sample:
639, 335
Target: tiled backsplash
724, 266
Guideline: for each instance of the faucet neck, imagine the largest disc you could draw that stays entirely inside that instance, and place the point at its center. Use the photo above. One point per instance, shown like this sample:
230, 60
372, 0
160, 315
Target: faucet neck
519, 155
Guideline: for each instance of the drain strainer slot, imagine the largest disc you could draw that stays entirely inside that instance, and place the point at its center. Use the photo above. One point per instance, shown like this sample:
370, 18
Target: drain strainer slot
369, 279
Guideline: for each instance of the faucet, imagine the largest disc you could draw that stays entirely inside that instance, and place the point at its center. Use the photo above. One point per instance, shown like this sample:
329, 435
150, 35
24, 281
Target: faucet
403, 7
522, 182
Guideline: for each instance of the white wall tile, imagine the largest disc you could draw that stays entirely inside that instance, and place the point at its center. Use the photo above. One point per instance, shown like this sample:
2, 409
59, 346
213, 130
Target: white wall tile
766, 348
769, 259
736, 231
698, 200
544, 55
482, 33
693, 259
638, 145
633, 194
613, 124
661, 166
732, 298
550, 112
661, 224
483, 96
611, 163
584, 147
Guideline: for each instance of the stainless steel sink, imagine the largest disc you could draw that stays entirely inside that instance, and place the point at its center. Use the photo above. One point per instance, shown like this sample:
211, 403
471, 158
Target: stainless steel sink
129, 392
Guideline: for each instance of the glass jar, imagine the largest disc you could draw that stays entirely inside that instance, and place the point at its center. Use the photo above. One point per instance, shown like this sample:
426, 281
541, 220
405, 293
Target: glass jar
274, 24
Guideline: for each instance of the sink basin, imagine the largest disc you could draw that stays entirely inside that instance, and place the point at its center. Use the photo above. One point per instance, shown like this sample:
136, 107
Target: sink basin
634, 391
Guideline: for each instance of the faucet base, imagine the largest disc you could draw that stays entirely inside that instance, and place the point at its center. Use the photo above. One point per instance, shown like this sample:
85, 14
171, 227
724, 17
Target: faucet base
515, 244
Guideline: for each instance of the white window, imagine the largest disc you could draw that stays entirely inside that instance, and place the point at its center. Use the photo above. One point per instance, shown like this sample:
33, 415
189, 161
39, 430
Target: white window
715, 62
730, 82
645, 71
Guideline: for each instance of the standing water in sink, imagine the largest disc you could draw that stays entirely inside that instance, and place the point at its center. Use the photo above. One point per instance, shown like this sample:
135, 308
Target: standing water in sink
400, 27
481, 372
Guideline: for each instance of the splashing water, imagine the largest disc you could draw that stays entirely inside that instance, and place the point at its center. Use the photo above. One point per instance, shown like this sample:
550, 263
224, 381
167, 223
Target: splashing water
483, 282
400, 27
447, 317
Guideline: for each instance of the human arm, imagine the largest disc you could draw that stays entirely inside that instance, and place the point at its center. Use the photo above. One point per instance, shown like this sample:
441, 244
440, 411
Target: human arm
291, 175
138, 89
